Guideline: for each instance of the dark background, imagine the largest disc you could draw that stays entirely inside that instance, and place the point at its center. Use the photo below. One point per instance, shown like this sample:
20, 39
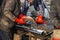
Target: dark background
1, 2
0, 7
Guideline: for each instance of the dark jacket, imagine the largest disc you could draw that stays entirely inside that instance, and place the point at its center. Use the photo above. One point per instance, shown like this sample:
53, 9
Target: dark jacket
55, 12
9, 11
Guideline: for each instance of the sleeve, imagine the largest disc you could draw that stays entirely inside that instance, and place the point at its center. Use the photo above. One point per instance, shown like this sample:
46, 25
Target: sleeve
8, 8
32, 11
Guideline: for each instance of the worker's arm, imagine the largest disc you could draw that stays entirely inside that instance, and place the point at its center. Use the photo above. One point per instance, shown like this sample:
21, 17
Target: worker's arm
8, 8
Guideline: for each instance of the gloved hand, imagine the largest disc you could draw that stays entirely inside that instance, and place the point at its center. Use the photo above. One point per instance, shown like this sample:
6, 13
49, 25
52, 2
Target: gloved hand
20, 19
39, 19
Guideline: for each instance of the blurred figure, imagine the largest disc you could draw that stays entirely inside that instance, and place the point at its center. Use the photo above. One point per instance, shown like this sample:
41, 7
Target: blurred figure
55, 13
